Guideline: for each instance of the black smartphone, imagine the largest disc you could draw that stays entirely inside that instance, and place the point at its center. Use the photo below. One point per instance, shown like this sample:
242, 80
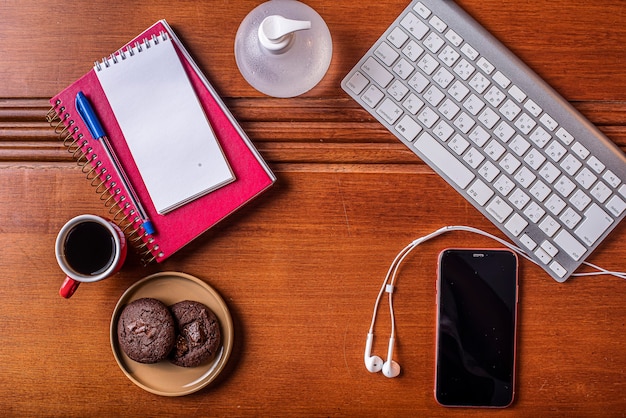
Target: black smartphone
476, 327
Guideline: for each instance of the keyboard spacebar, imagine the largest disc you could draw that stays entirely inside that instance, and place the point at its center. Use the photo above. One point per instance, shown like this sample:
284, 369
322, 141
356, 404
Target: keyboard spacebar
444, 160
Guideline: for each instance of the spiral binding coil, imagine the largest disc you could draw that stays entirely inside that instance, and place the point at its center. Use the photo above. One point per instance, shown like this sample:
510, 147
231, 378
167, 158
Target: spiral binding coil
111, 195
130, 51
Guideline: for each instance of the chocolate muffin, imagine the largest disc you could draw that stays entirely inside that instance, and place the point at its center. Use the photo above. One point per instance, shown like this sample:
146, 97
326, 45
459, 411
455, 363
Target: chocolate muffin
198, 334
145, 330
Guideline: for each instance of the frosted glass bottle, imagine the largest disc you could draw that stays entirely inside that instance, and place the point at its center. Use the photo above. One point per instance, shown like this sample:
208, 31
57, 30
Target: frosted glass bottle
283, 48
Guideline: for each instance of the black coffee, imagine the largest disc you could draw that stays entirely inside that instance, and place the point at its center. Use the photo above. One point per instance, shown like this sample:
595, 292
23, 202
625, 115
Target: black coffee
89, 248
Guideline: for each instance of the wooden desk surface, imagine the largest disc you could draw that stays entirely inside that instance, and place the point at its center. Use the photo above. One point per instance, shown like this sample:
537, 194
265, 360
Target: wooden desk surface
301, 266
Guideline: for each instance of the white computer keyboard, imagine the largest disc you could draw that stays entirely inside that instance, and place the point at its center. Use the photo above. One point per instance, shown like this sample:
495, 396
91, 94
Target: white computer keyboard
495, 131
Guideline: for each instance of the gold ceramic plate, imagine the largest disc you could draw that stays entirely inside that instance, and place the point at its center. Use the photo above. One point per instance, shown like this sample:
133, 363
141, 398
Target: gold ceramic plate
165, 378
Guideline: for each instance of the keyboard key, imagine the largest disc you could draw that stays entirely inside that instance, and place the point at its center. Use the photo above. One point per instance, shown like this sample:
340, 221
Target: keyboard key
555, 151
494, 96
594, 224
408, 128
389, 111
494, 150
454, 38
549, 172
413, 104
534, 212
480, 192
458, 91
458, 144
377, 72
428, 64
525, 123
548, 122
433, 42
448, 109
372, 96
414, 26
422, 10
412, 50
509, 163
564, 136
549, 248
616, 206
555, 204
501, 80
386, 54
418, 82
433, 95
357, 83
549, 225
517, 94
499, 209
473, 104
540, 137
516, 224
473, 157
558, 269
464, 69
489, 171
571, 164
428, 117
469, 52
449, 56
533, 108
525, 177
403, 68
570, 245
440, 157
504, 185
580, 150
528, 242
586, 178
464, 122
510, 110
580, 200
595, 164
519, 145
542, 255
601, 192
479, 83
485, 65
397, 37
398, 90
570, 218
443, 77
611, 178
443, 131
564, 186
438, 24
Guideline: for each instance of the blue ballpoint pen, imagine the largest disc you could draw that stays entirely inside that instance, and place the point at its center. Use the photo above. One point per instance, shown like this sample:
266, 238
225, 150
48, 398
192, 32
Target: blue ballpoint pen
97, 132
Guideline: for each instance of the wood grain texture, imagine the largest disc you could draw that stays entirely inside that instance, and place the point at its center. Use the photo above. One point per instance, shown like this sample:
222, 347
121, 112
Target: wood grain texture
299, 267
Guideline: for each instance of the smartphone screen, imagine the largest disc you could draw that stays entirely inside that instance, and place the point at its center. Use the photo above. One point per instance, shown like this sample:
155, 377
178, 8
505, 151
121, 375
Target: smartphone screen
476, 328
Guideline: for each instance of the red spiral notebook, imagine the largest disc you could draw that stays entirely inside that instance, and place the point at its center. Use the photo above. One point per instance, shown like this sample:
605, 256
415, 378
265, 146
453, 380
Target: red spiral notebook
175, 228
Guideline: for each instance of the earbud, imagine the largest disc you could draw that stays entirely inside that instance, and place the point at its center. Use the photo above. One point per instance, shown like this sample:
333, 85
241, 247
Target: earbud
391, 368
372, 363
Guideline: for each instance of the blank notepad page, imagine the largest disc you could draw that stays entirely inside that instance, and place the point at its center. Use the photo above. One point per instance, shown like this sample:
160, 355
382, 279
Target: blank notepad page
163, 123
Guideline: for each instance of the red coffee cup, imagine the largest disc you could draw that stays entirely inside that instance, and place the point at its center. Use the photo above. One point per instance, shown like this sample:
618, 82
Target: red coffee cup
88, 249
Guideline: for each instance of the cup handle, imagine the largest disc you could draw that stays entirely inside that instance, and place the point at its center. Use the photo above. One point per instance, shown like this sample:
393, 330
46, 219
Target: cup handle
68, 287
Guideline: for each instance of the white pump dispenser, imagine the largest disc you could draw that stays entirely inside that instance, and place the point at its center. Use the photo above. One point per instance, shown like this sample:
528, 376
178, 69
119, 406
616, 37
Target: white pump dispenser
277, 32
283, 48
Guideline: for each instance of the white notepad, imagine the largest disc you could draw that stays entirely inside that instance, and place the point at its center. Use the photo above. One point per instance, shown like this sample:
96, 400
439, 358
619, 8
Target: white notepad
163, 123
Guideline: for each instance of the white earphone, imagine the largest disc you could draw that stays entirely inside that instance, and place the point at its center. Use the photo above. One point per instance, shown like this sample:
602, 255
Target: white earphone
390, 368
